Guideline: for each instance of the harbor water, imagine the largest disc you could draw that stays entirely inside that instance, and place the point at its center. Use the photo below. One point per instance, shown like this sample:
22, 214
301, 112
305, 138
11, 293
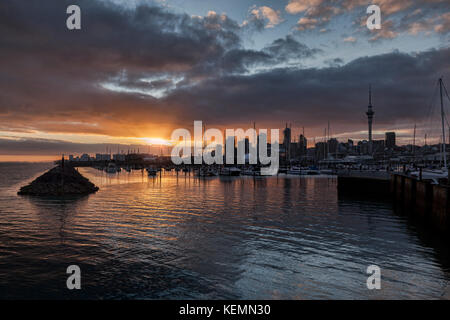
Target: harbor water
183, 237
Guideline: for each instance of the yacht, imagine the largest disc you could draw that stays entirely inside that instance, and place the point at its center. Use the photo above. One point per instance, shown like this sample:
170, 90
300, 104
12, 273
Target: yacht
313, 172
230, 171
431, 174
326, 171
295, 170
207, 172
251, 172
282, 170
111, 168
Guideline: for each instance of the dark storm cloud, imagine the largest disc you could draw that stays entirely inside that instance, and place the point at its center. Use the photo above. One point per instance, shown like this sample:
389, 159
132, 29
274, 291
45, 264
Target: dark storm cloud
402, 86
336, 62
280, 51
238, 61
52, 76
52, 79
148, 38
288, 48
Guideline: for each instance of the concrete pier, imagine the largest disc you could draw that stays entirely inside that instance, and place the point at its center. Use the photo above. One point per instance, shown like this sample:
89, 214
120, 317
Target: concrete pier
421, 199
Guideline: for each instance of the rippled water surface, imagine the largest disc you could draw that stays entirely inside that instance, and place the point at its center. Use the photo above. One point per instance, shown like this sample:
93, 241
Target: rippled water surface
180, 237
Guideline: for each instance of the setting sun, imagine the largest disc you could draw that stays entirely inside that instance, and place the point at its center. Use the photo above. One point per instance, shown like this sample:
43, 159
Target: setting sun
157, 141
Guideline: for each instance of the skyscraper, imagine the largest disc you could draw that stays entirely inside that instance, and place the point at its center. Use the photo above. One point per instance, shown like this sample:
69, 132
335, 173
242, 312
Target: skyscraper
390, 140
287, 141
370, 114
333, 145
302, 145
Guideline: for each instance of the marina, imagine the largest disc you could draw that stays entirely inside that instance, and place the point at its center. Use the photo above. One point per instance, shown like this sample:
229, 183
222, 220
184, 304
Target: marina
224, 154
416, 182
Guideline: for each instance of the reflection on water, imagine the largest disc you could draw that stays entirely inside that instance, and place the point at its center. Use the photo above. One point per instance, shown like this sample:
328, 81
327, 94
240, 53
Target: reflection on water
178, 236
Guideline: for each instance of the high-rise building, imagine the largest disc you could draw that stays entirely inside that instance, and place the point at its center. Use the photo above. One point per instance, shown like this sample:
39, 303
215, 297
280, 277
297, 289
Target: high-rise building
85, 157
332, 145
390, 140
363, 147
350, 142
287, 141
378, 145
321, 150
370, 114
302, 145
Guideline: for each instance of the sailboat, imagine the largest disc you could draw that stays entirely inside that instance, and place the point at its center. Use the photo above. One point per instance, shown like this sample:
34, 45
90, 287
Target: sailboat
230, 171
152, 171
111, 168
435, 174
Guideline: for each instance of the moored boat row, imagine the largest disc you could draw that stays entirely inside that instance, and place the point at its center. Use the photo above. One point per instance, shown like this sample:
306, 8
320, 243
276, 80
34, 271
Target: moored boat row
211, 171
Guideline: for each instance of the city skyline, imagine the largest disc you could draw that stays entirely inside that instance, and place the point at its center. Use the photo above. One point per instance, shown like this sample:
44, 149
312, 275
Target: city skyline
138, 70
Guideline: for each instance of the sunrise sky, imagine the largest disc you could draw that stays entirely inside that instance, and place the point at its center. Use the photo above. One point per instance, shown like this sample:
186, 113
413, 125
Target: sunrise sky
139, 69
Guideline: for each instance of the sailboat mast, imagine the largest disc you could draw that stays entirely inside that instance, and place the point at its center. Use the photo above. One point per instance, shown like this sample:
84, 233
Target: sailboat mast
328, 139
443, 126
414, 144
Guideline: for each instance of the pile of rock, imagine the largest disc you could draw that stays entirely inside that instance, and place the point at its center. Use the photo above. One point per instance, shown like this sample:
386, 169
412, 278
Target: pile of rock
59, 181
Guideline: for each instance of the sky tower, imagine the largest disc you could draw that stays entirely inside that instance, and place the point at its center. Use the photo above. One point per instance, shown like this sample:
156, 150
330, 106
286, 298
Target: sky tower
370, 114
